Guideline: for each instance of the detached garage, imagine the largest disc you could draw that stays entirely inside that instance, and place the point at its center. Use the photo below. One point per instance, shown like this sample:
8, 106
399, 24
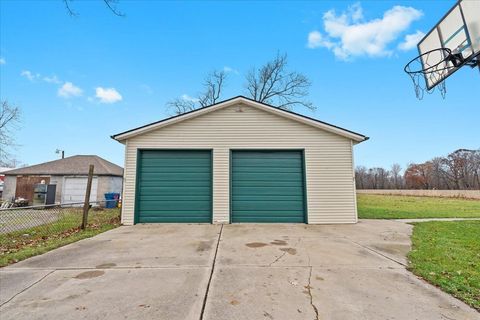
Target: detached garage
239, 161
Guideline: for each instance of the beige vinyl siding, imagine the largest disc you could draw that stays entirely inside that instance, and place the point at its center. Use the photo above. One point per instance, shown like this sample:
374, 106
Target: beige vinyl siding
328, 158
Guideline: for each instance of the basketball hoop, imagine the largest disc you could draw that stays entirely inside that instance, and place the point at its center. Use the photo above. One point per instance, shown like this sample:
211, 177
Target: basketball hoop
452, 44
430, 67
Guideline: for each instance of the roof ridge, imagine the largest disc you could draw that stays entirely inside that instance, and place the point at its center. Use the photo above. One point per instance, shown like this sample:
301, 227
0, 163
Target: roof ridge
100, 161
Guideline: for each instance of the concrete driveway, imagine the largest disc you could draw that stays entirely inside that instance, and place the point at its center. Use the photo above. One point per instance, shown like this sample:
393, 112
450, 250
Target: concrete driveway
243, 271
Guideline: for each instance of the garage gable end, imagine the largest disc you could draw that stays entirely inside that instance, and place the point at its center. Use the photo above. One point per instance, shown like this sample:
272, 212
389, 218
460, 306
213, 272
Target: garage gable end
241, 103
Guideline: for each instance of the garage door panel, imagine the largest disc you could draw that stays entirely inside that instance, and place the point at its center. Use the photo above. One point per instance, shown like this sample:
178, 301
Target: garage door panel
267, 186
174, 219
273, 190
161, 169
279, 163
268, 197
177, 176
175, 191
263, 205
174, 186
176, 205
247, 214
253, 169
75, 188
274, 217
173, 197
175, 163
270, 176
179, 184
174, 154
264, 154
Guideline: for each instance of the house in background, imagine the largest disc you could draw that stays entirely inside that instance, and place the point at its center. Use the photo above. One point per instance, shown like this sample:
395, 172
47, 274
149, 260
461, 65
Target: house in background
239, 161
2, 178
70, 177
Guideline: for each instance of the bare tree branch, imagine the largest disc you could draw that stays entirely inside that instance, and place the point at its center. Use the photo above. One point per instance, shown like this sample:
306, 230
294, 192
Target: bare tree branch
69, 9
213, 88
213, 84
111, 5
181, 105
9, 121
273, 84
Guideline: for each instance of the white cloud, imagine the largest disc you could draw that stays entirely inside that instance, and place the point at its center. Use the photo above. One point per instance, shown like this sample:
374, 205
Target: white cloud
411, 40
315, 40
107, 95
349, 35
2, 61
186, 97
69, 90
228, 69
29, 75
52, 79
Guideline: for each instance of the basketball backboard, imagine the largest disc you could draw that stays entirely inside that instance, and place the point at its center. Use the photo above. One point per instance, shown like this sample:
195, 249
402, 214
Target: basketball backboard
451, 44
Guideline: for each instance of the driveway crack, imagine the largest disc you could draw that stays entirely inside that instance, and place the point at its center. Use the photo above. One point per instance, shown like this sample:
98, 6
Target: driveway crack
309, 290
211, 274
25, 289
278, 258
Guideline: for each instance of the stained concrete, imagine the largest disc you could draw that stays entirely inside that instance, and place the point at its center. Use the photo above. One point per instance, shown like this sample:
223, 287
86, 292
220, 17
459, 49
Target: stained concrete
270, 271
113, 294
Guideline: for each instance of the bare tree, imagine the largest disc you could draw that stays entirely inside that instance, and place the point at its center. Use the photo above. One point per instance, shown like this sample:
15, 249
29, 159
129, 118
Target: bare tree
213, 87
361, 177
111, 5
9, 121
273, 84
395, 172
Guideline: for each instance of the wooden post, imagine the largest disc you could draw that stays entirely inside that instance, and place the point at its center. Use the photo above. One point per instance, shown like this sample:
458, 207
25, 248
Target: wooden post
86, 204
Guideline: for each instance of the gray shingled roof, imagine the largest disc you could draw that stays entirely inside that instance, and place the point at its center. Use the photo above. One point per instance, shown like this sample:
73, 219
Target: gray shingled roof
75, 165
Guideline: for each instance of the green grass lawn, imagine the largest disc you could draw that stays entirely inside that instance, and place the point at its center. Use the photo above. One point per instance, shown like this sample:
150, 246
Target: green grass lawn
19, 245
372, 206
447, 254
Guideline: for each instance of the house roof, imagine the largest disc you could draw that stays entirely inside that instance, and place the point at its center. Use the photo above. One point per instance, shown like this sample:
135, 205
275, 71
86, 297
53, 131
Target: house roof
247, 101
74, 165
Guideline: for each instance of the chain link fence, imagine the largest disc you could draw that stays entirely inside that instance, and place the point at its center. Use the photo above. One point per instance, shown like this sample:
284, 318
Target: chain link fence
51, 219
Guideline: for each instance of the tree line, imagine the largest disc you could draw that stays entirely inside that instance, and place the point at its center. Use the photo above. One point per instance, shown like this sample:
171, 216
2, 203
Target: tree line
459, 170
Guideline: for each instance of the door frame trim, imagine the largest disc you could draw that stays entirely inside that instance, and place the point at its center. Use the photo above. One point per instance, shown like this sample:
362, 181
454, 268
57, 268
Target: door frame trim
137, 165
304, 177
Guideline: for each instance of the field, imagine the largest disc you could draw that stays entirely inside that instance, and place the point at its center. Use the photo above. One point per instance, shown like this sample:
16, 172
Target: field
447, 254
406, 207
19, 245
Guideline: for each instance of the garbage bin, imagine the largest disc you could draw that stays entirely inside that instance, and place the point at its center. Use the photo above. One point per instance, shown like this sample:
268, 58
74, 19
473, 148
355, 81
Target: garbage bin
112, 199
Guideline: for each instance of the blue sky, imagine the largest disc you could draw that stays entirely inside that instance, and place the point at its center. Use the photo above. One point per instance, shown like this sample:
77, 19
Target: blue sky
81, 79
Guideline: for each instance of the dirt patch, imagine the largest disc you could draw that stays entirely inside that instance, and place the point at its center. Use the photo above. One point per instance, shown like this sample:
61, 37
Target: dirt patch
319, 278
279, 242
291, 251
106, 265
89, 274
234, 302
256, 244
204, 246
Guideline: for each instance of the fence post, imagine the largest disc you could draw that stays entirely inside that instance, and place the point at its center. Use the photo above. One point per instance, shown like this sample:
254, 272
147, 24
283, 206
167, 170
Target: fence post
86, 204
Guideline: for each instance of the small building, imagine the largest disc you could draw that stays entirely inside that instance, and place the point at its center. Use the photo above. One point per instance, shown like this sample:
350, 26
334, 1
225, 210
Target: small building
70, 177
239, 161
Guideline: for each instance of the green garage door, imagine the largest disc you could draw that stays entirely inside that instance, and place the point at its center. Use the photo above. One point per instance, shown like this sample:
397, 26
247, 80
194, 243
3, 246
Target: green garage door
267, 186
174, 186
